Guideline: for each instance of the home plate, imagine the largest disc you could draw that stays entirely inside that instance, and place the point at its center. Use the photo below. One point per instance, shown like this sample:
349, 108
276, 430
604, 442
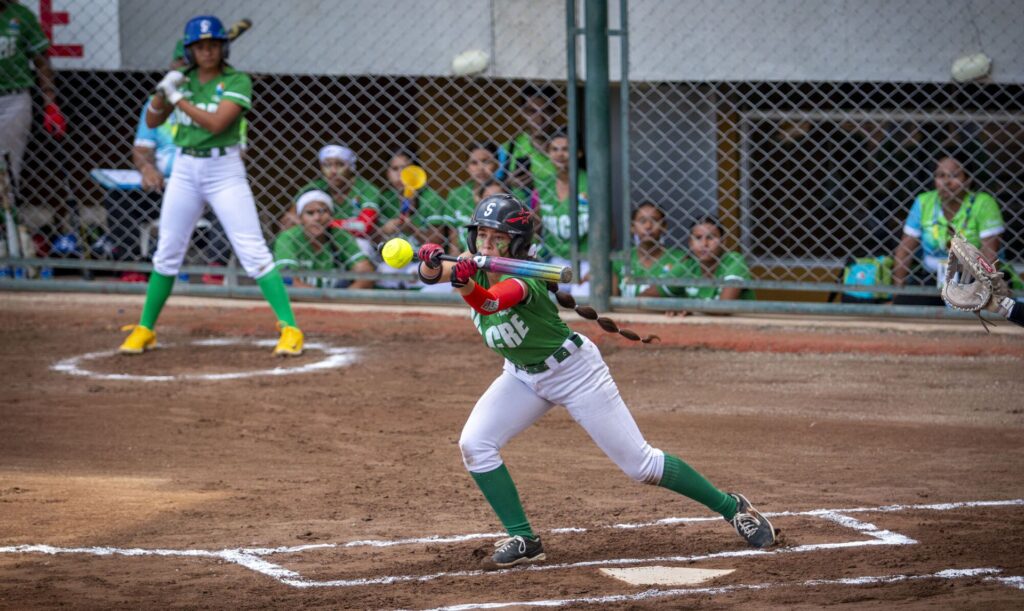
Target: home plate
664, 575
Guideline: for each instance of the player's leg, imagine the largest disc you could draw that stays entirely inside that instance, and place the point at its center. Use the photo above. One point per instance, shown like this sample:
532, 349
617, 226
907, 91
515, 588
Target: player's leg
182, 205
15, 125
507, 408
232, 201
585, 386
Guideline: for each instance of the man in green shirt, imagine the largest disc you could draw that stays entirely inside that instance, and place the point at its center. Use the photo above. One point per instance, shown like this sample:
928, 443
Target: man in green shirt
22, 47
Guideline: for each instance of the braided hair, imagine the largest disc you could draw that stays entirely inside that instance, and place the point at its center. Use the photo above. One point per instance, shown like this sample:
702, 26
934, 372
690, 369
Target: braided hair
566, 300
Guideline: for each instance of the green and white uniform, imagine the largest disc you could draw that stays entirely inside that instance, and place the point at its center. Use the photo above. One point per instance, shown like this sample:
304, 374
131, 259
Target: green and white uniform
732, 266
293, 250
556, 246
668, 265
547, 364
209, 169
458, 210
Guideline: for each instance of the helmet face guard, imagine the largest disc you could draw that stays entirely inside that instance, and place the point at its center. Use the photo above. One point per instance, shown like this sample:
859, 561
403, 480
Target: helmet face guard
204, 27
507, 214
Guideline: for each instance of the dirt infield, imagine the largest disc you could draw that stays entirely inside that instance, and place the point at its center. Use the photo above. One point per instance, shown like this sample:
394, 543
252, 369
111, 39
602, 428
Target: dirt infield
891, 454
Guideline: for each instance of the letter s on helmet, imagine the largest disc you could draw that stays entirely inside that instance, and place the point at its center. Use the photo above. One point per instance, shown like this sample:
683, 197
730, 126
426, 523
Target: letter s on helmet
204, 27
504, 213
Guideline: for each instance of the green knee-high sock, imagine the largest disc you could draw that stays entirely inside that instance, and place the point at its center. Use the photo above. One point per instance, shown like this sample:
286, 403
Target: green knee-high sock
274, 292
500, 492
157, 291
684, 479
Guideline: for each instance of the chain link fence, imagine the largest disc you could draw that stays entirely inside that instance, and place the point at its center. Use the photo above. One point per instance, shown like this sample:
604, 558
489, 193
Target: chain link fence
803, 129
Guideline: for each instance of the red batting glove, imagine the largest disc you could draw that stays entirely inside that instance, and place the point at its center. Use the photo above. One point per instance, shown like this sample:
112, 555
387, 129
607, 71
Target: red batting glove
462, 272
430, 255
54, 122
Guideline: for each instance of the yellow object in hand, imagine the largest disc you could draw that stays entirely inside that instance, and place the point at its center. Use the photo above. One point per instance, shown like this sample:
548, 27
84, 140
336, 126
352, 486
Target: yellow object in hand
413, 178
397, 253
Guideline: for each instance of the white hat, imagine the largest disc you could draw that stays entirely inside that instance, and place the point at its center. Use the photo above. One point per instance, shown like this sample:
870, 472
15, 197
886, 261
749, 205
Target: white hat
338, 151
316, 195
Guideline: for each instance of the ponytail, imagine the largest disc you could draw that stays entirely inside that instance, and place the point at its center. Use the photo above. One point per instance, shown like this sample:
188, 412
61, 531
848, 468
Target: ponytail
566, 300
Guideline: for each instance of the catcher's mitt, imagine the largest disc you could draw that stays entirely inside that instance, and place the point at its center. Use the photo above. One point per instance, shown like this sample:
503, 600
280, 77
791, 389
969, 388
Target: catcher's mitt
972, 284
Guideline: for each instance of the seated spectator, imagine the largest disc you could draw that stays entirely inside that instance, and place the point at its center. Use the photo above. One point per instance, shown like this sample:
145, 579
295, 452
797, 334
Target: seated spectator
708, 259
934, 218
355, 200
481, 165
552, 191
524, 160
406, 216
650, 257
314, 245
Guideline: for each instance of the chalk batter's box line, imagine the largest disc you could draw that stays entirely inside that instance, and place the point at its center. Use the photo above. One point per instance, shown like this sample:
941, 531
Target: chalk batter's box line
252, 558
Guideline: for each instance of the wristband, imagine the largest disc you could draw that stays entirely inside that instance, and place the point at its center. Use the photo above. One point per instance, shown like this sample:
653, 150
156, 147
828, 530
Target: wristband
425, 279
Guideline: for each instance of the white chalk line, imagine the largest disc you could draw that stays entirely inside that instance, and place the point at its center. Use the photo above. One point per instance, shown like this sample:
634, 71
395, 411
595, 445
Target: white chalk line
335, 357
948, 574
251, 558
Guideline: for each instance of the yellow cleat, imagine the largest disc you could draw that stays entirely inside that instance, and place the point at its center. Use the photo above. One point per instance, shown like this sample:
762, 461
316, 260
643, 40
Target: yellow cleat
290, 343
140, 340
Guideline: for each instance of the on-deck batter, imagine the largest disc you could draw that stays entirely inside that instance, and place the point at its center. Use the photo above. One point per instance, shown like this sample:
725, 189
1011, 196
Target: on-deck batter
547, 364
209, 101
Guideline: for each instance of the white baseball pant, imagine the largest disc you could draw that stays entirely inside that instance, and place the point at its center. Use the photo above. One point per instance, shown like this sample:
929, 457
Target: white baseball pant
221, 182
583, 384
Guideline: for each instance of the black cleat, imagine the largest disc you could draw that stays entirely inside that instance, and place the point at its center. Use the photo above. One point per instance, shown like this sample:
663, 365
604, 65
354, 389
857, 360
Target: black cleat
750, 524
517, 550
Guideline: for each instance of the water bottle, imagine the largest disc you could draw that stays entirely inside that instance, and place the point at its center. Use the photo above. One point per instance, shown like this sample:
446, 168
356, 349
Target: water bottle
183, 277
46, 273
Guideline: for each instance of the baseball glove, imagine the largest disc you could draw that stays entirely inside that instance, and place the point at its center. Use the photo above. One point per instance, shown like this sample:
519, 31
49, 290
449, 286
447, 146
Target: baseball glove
972, 284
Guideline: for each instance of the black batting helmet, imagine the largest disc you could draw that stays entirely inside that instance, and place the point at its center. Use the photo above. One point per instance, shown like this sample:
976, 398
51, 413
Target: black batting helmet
507, 214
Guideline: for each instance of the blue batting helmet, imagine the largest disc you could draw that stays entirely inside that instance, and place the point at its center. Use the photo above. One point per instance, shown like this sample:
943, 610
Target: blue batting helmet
204, 27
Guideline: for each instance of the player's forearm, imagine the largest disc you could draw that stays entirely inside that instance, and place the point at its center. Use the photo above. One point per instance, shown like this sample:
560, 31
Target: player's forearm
901, 261
158, 111
213, 122
990, 248
44, 75
144, 158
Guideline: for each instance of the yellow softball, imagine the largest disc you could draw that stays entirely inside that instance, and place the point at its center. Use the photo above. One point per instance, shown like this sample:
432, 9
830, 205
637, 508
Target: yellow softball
397, 253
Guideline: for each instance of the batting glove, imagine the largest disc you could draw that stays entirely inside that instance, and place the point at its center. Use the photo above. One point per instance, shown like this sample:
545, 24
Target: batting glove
168, 86
54, 122
430, 255
463, 271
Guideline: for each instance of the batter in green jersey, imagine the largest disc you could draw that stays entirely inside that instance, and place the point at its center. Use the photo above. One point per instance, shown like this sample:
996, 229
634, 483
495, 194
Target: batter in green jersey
547, 364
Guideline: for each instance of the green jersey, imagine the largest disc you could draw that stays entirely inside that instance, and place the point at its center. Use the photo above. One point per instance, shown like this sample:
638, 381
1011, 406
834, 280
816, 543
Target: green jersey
555, 214
540, 166
526, 333
732, 266
362, 195
232, 86
294, 251
458, 211
428, 203
21, 39
668, 265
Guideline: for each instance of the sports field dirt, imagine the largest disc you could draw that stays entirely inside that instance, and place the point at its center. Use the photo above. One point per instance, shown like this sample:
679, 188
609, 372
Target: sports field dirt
153, 493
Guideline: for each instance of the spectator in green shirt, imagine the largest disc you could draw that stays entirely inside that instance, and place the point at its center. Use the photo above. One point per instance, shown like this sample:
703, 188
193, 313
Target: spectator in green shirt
316, 246
650, 257
481, 166
355, 200
710, 260
406, 216
523, 161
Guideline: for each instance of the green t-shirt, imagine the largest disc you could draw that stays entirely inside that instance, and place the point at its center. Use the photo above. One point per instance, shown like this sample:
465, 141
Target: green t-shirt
555, 214
21, 39
458, 211
526, 333
540, 166
231, 85
362, 195
732, 266
428, 203
294, 251
668, 265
